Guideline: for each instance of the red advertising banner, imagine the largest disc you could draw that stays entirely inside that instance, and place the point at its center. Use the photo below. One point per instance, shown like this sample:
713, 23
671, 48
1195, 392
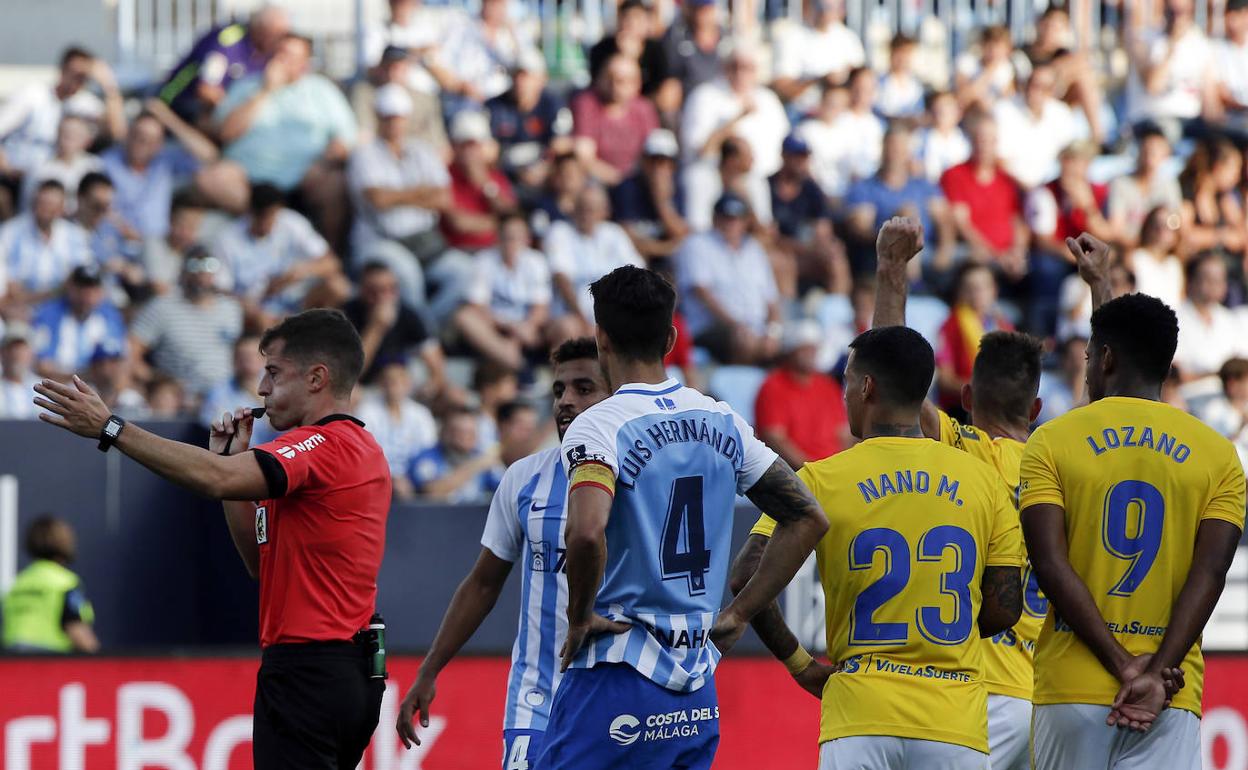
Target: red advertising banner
195, 714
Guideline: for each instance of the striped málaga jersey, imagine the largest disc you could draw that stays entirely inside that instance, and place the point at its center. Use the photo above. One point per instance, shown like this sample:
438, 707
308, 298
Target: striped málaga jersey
525, 526
679, 459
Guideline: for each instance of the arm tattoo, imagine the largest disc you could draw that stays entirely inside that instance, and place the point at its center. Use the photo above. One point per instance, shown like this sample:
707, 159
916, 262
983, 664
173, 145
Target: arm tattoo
1003, 596
781, 494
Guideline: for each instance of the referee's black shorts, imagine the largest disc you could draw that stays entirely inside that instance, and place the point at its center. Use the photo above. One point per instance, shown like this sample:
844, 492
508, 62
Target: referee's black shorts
316, 707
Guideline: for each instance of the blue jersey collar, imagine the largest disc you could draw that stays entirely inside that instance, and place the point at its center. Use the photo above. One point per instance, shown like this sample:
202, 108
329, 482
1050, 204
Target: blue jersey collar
649, 388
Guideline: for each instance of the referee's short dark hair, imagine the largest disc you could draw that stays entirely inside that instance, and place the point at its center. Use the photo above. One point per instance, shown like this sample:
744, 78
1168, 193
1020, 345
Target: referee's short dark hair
575, 349
322, 336
899, 360
634, 308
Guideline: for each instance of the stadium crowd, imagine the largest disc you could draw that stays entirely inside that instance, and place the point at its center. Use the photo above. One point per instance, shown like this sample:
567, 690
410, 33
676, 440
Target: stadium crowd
456, 202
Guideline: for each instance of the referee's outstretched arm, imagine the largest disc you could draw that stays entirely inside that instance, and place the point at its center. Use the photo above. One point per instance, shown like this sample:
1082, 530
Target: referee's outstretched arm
76, 407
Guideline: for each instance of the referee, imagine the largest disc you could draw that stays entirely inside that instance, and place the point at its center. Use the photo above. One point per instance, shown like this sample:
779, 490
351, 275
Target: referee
307, 512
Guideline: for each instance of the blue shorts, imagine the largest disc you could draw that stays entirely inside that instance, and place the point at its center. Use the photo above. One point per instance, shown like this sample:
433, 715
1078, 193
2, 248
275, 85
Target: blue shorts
609, 716
521, 748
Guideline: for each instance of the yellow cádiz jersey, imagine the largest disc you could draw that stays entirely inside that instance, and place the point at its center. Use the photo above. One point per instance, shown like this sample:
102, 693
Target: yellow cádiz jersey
1008, 655
1135, 479
913, 525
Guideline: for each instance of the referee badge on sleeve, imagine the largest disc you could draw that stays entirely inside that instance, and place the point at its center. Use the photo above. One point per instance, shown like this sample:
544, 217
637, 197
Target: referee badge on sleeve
262, 524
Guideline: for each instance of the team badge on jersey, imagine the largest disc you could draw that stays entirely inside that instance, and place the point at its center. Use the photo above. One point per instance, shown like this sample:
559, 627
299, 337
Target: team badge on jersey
262, 525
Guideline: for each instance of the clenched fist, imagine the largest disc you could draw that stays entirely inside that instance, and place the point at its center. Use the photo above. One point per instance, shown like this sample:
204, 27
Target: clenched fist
899, 240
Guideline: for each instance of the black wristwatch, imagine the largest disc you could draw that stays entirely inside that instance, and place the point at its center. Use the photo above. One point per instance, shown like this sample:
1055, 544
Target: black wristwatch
112, 429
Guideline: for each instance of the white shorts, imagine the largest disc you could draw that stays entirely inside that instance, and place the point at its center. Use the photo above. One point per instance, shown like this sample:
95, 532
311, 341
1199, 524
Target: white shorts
882, 752
1067, 735
1009, 733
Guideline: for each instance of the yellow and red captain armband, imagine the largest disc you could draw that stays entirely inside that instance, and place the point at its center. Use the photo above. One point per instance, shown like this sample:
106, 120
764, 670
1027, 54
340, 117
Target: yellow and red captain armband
593, 474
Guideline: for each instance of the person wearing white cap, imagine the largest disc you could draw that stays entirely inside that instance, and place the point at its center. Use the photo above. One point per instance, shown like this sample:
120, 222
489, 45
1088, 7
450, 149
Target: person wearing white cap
647, 203
530, 122
480, 192
398, 186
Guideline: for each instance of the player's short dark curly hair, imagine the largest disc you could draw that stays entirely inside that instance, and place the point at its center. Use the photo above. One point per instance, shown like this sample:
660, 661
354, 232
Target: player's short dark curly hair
575, 349
634, 308
323, 336
899, 360
1142, 332
1006, 375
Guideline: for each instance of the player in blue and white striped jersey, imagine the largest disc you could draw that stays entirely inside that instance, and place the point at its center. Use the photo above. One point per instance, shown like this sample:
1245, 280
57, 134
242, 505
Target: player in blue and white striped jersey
654, 472
525, 526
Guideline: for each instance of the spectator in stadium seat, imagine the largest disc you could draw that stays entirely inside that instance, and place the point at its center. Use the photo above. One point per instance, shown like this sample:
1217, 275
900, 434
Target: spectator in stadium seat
391, 330
821, 50
494, 385
241, 388
399, 186
68, 163
402, 426
189, 334
1069, 205
649, 204
518, 435
17, 374
68, 329
735, 105
564, 186
799, 411
831, 140
288, 127
1062, 389
1231, 65
478, 56
633, 23
1171, 79
942, 144
166, 398
480, 192
803, 221
1132, 196
1033, 128
737, 172
145, 171
974, 314
109, 373
504, 319
1077, 76
115, 246
1075, 301
221, 57
454, 470
987, 204
1212, 212
529, 122
900, 92
611, 120
982, 81
40, 247
279, 263
45, 609
1209, 333
162, 257
728, 291
691, 52
395, 66
859, 121
1227, 412
896, 191
1155, 261
582, 251
419, 31
29, 118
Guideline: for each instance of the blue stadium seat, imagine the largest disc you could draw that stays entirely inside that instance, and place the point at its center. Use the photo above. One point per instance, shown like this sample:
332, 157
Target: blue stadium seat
737, 386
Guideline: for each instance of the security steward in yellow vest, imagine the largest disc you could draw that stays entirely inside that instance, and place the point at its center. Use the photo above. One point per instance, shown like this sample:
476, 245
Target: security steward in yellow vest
46, 610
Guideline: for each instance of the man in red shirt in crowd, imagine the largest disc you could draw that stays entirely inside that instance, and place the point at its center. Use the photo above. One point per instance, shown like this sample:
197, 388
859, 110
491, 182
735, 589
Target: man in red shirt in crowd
610, 122
799, 412
480, 193
307, 512
987, 204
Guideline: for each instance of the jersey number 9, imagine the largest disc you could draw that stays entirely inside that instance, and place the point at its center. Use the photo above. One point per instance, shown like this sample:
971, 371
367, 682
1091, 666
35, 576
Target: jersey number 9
955, 583
1131, 530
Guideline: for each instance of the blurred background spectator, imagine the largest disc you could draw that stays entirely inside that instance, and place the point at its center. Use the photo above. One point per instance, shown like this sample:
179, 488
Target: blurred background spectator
46, 609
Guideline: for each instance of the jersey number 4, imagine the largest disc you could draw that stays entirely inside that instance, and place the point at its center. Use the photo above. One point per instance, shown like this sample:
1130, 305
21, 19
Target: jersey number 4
684, 553
895, 550
1131, 530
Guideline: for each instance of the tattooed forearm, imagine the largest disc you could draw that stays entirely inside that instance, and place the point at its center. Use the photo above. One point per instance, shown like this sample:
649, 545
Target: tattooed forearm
781, 494
1003, 600
769, 623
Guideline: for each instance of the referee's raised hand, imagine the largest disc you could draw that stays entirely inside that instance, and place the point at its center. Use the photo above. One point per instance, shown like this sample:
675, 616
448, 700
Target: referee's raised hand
76, 406
231, 434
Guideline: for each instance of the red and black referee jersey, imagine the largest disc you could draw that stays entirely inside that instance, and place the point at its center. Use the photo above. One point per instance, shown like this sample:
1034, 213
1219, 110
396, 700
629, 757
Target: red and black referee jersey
322, 532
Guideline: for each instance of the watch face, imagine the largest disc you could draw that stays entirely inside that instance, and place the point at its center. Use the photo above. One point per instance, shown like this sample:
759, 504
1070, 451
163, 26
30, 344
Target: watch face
112, 429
